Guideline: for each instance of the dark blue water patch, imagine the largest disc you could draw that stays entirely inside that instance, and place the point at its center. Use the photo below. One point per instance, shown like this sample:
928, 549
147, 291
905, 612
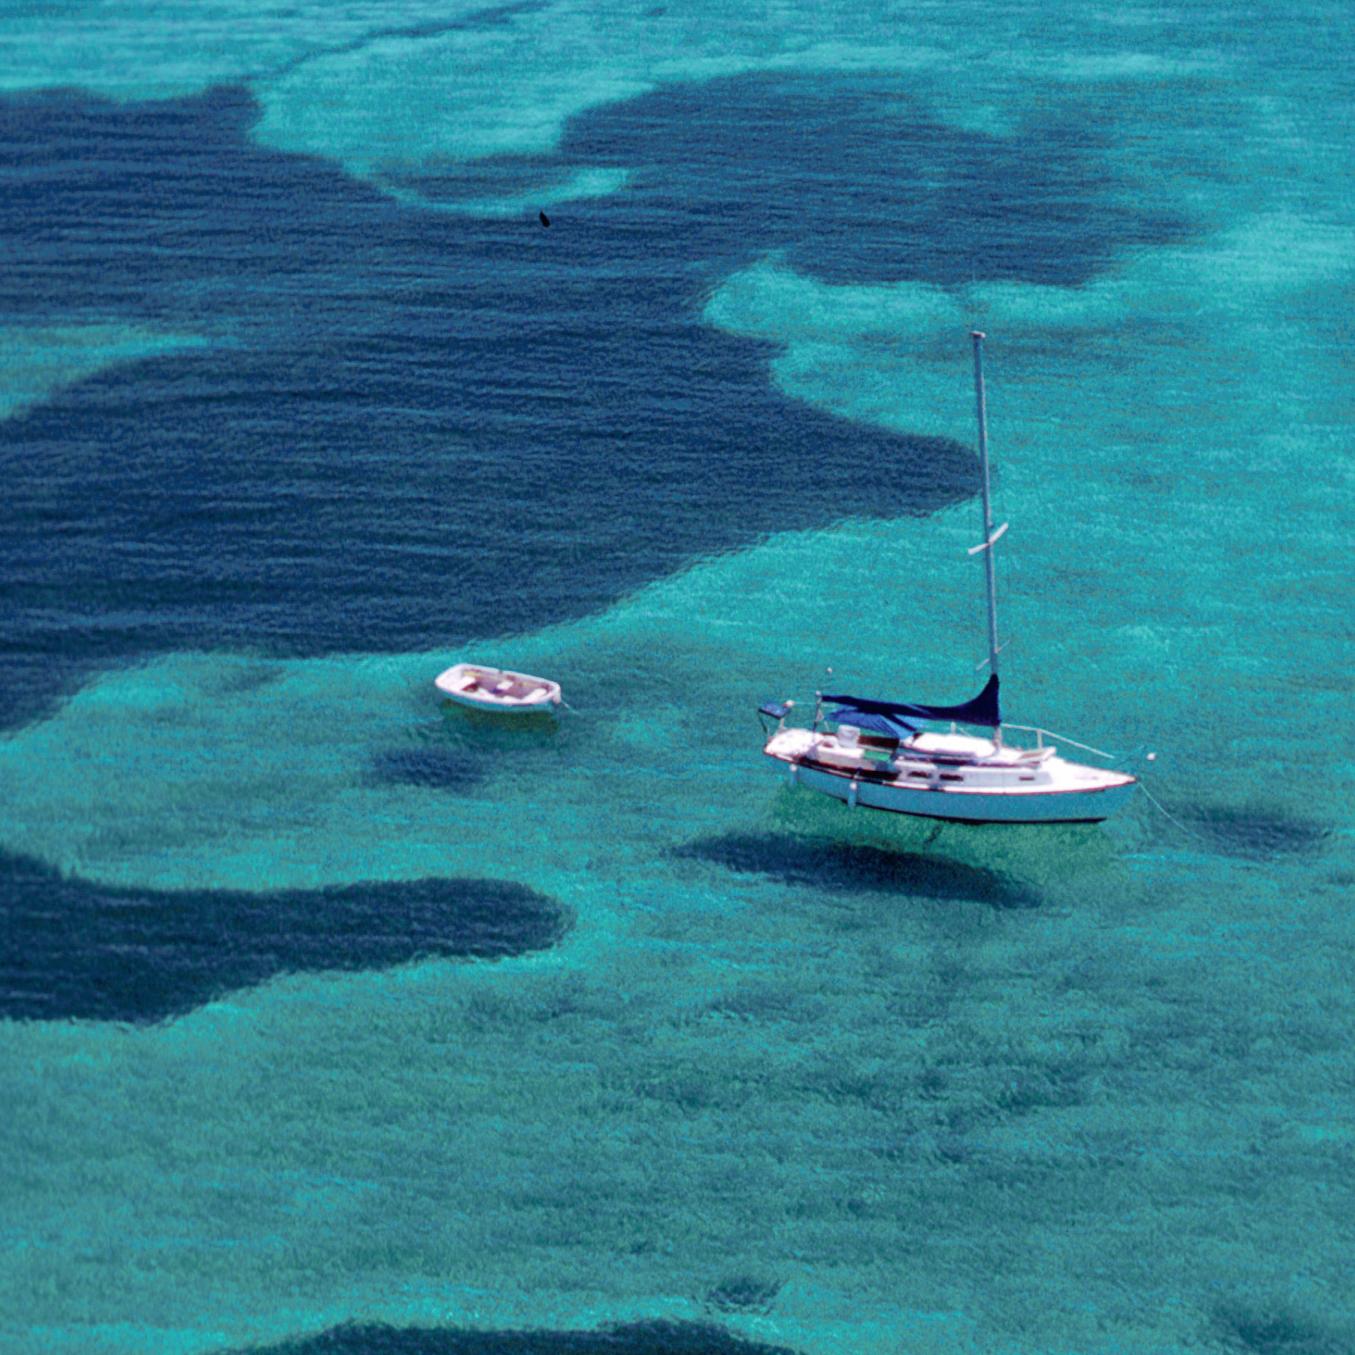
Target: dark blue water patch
421, 427
840, 867
844, 178
634, 1338
1255, 831
848, 178
1252, 1327
73, 948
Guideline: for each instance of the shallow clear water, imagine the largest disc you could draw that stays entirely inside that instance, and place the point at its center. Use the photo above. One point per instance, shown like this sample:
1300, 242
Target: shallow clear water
321, 1006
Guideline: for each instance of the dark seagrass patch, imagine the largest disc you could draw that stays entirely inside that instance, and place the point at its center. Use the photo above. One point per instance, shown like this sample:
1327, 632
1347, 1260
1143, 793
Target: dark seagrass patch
76, 948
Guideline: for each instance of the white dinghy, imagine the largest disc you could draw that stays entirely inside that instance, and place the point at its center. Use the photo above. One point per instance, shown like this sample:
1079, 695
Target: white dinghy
877, 755
498, 689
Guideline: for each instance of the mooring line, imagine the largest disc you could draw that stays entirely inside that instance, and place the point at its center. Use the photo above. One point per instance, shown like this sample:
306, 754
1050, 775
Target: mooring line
1169, 816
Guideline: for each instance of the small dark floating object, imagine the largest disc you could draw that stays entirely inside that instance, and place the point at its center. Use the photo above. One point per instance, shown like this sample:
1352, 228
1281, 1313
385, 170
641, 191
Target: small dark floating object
543, 218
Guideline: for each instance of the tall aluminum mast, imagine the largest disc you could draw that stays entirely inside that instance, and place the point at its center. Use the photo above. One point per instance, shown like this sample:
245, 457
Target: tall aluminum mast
989, 535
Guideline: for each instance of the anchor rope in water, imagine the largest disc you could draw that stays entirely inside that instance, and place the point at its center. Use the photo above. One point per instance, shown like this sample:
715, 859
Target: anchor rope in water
1131, 759
1169, 816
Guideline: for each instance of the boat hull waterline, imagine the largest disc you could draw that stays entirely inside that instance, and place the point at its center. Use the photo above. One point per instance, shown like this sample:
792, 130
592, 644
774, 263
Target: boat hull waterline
498, 690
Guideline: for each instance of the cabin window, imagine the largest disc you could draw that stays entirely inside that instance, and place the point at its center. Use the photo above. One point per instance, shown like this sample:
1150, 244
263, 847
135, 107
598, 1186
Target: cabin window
851, 736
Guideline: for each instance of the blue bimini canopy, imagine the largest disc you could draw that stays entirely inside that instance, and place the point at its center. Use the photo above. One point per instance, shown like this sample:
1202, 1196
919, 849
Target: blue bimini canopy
893, 717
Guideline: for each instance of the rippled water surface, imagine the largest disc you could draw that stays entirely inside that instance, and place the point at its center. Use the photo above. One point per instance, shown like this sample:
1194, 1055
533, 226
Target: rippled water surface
332, 1020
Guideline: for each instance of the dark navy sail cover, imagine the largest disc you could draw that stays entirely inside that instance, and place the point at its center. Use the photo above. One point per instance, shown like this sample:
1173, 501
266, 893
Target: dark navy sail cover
892, 717
891, 726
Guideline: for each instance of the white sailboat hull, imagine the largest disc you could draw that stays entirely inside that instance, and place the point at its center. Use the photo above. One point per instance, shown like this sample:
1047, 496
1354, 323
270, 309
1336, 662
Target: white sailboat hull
1002, 790
959, 806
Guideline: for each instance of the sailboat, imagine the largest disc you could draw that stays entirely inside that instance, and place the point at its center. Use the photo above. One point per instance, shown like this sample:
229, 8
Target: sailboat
891, 755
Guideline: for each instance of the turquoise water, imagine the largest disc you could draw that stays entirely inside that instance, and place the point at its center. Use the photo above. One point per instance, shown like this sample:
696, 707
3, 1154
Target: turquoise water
322, 1006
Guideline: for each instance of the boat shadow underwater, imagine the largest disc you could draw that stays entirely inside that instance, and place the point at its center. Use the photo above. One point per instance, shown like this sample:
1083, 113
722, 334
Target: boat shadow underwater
462, 749
1254, 832
458, 771
840, 867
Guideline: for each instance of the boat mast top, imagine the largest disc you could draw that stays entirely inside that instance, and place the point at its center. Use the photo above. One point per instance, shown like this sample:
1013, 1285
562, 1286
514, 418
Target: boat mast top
989, 535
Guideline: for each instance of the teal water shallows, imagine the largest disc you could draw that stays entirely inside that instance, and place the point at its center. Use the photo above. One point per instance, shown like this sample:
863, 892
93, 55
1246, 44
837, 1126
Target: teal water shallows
598, 1036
